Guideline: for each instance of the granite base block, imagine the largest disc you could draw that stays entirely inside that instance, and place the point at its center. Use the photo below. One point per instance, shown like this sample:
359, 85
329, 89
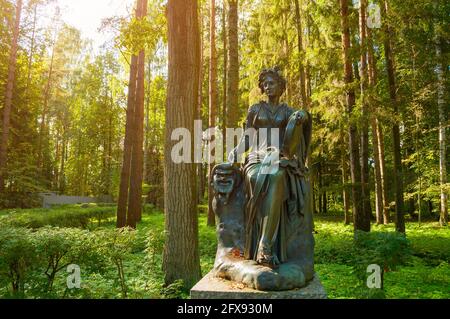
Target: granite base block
211, 287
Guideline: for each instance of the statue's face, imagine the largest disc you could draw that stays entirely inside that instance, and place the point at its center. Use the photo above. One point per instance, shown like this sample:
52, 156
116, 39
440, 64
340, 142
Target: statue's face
272, 87
224, 181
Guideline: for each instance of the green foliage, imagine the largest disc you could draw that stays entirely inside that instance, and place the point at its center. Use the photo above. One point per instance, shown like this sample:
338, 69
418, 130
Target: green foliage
386, 249
174, 290
143, 33
115, 246
154, 247
64, 216
334, 244
337, 244
19, 200
58, 248
413, 267
17, 259
125, 263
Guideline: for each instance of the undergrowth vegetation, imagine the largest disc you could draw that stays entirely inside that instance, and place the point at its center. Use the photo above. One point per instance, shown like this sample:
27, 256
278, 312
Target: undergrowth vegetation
37, 246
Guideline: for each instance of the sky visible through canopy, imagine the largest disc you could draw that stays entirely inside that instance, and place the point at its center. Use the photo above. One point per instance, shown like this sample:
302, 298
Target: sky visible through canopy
87, 16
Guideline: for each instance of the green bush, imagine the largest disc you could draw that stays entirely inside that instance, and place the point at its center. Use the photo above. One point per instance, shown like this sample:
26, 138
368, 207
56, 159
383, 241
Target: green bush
154, 247
334, 245
57, 248
115, 245
19, 199
175, 290
386, 249
17, 259
30, 261
65, 216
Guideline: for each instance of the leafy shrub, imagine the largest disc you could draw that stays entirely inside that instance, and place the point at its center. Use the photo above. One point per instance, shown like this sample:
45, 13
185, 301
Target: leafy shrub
57, 248
154, 246
71, 217
385, 249
334, 245
30, 261
115, 245
19, 199
17, 258
174, 291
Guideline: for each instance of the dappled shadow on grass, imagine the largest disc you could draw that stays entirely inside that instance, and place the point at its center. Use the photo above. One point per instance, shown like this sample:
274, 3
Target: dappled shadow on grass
334, 260
424, 274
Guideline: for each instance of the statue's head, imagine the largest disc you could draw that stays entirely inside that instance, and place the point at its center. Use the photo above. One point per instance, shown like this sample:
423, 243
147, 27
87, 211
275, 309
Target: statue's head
226, 178
272, 83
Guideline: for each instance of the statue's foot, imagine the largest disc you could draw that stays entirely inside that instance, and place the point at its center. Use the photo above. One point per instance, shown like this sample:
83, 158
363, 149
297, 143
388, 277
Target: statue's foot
252, 275
267, 259
270, 261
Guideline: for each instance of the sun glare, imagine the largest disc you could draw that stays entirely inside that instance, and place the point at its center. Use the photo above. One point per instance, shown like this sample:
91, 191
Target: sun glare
87, 15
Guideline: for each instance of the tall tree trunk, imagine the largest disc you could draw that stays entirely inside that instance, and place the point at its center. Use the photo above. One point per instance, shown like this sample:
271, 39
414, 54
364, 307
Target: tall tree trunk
365, 173
55, 173
126, 165
225, 73
286, 51
298, 23
443, 220
33, 39
110, 141
398, 175
47, 91
345, 195
361, 222
320, 185
9, 95
181, 252
198, 114
147, 123
213, 89
325, 203
233, 66
308, 81
134, 213
380, 137
379, 184
314, 192
61, 183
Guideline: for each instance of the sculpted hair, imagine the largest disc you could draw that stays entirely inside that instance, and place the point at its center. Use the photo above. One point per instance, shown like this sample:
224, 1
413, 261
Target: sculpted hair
274, 72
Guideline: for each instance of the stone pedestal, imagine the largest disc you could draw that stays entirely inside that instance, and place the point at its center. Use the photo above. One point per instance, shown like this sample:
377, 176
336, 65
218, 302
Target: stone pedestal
211, 287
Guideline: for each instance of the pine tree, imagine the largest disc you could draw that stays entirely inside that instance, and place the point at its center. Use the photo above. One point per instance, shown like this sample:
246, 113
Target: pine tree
181, 252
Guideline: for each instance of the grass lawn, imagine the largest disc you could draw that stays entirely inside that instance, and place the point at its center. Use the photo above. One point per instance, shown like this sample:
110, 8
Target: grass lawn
424, 274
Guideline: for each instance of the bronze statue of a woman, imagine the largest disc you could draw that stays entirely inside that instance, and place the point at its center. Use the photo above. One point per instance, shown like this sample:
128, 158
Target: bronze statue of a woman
277, 209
